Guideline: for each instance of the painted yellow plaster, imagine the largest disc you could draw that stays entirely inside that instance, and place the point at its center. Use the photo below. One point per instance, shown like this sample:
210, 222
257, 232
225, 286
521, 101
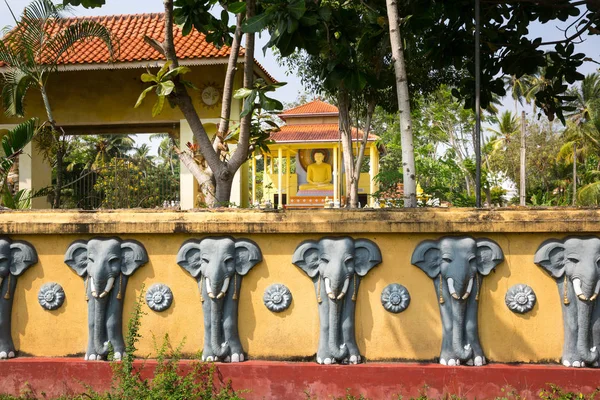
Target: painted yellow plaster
412, 335
108, 96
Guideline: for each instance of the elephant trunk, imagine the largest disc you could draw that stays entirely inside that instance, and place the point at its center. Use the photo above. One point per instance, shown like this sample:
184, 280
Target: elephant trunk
100, 338
219, 348
338, 351
584, 312
462, 351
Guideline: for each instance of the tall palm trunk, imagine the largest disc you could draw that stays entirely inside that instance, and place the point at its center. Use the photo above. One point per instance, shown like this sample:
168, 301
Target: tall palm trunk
58, 135
408, 152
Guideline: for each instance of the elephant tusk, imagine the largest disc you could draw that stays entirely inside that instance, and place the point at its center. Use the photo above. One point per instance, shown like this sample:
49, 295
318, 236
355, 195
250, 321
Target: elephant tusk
577, 289
1, 279
208, 289
328, 289
451, 288
594, 296
94, 291
344, 289
469, 288
221, 295
224, 288
109, 285
103, 294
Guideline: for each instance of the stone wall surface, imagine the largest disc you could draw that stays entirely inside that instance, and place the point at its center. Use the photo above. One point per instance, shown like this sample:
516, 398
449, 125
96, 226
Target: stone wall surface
414, 334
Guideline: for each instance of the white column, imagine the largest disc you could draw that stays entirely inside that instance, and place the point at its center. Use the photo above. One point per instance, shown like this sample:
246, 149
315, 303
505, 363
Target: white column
336, 195
187, 182
34, 174
279, 177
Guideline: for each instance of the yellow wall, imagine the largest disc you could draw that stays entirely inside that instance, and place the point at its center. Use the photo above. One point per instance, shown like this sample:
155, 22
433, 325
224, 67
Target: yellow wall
108, 96
414, 334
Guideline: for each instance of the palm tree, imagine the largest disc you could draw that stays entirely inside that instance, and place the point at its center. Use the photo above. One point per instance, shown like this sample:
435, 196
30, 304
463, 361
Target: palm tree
583, 133
31, 53
507, 127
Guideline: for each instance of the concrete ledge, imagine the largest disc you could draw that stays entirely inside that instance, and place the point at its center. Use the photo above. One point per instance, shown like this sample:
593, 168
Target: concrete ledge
279, 380
442, 221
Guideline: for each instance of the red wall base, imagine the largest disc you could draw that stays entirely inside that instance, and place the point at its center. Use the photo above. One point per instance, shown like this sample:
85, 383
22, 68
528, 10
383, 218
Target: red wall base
281, 380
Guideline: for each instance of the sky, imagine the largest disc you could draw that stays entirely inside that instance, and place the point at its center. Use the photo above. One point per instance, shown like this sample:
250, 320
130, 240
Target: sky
293, 90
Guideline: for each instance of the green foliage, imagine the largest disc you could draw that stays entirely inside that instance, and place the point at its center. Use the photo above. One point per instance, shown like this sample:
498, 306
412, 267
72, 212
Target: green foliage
256, 98
32, 51
162, 84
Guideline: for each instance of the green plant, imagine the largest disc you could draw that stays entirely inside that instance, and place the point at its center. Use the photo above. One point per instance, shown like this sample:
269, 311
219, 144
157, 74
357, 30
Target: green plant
554, 392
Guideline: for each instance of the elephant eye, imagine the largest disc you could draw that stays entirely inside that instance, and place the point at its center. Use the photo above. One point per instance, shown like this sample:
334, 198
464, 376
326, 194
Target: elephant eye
114, 262
324, 260
573, 260
447, 259
90, 259
204, 260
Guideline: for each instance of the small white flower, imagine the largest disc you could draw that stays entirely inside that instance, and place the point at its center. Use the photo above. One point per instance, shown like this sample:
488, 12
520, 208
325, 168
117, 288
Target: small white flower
277, 297
395, 298
520, 299
159, 297
51, 296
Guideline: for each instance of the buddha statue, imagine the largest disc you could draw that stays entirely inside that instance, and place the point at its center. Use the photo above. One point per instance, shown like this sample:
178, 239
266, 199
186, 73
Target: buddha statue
318, 175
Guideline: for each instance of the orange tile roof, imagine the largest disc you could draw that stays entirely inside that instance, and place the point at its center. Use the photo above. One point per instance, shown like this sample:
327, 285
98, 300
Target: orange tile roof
314, 107
128, 32
313, 133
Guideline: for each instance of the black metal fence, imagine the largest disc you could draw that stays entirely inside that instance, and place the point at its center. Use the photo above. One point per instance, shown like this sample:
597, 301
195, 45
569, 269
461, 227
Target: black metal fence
122, 183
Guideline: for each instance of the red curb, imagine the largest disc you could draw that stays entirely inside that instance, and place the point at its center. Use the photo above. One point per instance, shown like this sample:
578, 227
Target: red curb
285, 380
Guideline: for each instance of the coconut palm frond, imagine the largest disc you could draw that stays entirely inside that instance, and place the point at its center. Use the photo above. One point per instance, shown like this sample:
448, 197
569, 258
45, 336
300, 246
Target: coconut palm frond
589, 195
15, 84
565, 153
63, 41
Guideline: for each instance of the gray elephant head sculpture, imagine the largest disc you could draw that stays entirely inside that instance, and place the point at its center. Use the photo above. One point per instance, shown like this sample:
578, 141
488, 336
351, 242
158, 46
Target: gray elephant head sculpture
336, 266
106, 265
218, 264
457, 266
575, 265
15, 258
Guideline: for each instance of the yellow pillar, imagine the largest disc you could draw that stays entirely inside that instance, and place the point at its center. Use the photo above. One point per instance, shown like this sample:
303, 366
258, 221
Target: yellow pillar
35, 173
188, 187
336, 179
287, 175
253, 179
279, 177
265, 175
372, 174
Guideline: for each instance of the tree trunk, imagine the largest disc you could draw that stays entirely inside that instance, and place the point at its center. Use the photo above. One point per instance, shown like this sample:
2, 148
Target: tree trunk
58, 135
522, 162
574, 174
203, 176
408, 153
240, 155
346, 138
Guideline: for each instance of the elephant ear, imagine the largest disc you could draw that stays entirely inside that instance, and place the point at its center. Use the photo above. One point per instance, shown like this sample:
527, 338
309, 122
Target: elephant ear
189, 259
489, 254
306, 257
23, 256
247, 255
133, 256
427, 257
76, 257
551, 256
366, 256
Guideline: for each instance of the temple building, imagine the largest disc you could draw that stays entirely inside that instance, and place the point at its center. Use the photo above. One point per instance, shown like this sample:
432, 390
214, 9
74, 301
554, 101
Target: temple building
304, 168
92, 94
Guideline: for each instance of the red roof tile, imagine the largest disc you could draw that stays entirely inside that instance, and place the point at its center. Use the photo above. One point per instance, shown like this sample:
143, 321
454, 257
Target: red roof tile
314, 107
313, 133
128, 34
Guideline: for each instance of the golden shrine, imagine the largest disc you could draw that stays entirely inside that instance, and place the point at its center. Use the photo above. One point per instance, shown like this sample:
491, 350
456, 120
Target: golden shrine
304, 168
